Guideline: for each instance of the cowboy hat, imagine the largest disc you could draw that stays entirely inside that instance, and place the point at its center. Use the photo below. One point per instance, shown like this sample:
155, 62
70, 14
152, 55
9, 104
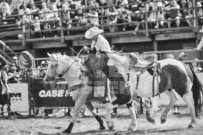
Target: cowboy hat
92, 32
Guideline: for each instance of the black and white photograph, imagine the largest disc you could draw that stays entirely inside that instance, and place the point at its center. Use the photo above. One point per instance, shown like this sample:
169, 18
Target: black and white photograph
101, 67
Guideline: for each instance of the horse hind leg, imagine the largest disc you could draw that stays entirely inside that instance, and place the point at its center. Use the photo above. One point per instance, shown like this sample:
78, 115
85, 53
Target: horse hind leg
188, 98
109, 109
134, 124
97, 117
173, 99
149, 109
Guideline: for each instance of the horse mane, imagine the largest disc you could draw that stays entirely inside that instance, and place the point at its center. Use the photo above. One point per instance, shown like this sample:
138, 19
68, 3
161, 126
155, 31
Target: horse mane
64, 58
119, 57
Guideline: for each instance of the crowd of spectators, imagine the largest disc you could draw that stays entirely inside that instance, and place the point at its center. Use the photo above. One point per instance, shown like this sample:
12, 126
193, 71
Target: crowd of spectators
116, 14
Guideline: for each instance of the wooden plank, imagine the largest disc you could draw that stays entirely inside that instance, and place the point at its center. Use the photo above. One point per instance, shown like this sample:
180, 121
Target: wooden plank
40, 40
173, 36
48, 45
130, 39
81, 42
15, 47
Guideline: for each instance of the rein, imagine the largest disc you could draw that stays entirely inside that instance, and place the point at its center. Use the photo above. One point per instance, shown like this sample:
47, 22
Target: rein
65, 71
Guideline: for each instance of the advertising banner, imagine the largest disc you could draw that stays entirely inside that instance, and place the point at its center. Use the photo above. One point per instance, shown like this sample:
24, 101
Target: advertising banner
19, 97
51, 94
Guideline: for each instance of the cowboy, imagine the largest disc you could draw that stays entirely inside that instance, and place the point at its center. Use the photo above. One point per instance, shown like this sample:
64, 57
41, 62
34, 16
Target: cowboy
99, 42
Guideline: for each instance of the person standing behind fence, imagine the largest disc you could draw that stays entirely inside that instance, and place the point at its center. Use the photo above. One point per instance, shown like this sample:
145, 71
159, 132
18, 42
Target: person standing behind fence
5, 99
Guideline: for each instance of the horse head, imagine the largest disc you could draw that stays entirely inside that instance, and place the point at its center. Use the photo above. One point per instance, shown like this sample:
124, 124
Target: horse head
65, 66
53, 68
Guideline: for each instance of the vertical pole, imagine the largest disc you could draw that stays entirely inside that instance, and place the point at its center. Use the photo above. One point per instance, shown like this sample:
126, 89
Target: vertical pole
155, 46
62, 33
146, 22
194, 14
102, 19
23, 29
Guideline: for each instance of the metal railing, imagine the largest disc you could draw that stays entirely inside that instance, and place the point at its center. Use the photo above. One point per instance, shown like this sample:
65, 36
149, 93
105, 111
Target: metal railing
102, 19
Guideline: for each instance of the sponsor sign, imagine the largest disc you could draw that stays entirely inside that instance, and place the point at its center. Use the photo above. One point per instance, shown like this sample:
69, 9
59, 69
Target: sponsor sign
19, 97
51, 94
99, 91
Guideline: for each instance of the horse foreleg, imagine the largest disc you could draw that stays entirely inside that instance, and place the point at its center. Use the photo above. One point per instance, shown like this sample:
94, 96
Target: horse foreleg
109, 109
79, 102
149, 109
133, 126
97, 117
188, 98
173, 99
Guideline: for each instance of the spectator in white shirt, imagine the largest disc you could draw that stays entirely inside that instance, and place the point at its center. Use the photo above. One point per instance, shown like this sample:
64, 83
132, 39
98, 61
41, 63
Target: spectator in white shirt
15, 5
92, 17
37, 28
4, 9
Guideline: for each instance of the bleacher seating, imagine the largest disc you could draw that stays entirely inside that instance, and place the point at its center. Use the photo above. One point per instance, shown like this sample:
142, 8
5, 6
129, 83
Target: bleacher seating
10, 30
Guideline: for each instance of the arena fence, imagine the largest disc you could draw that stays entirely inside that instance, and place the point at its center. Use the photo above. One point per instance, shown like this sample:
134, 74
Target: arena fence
62, 31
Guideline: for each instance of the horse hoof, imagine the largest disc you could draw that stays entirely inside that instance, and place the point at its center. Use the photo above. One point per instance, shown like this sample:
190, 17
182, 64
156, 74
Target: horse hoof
66, 131
110, 125
191, 126
149, 118
163, 121
102, 128
132, 127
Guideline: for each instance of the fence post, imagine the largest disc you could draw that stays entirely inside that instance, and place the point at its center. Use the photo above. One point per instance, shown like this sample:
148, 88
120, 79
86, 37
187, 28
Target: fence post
102, 18
146, 22
194, 14
23, 29
62, 33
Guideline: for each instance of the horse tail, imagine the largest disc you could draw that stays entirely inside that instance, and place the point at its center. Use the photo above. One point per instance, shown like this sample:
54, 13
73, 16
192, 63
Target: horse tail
197, 88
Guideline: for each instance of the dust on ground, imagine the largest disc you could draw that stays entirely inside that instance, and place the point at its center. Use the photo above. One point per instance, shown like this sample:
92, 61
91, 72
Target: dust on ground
175, 125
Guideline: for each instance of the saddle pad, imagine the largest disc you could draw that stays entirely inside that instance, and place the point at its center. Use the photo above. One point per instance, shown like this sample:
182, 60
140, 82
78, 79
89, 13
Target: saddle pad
99, 91
145, 86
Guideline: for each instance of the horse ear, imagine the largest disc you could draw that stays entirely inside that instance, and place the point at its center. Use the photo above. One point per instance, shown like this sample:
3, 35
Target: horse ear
133, 59
49, 54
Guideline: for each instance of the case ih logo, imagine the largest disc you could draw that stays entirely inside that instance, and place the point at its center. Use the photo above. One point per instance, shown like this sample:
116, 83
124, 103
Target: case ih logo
16, 96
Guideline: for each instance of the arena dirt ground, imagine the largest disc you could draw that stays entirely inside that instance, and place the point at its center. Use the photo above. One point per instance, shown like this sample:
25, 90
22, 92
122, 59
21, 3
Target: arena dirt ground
175, 125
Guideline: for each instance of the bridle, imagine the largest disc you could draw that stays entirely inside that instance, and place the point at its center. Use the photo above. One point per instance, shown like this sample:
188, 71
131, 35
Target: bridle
64, 71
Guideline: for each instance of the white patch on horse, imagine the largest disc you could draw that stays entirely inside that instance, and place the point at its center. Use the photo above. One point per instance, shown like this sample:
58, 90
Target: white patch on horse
120, 62
173, 62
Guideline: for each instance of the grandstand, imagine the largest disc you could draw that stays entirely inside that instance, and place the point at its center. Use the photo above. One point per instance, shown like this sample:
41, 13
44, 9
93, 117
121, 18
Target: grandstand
42, 26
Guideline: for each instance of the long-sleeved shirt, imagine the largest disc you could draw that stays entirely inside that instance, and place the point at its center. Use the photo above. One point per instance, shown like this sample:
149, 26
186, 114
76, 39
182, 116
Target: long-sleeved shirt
101, 44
